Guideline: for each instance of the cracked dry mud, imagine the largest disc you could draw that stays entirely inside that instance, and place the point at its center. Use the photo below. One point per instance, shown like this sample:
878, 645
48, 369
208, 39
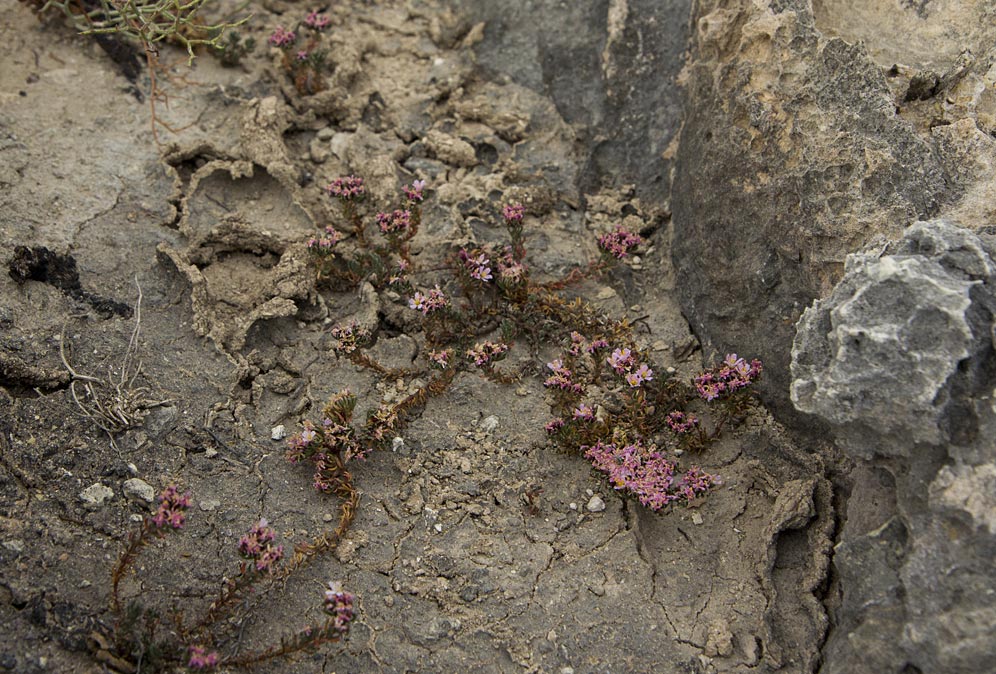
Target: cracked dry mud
454, 570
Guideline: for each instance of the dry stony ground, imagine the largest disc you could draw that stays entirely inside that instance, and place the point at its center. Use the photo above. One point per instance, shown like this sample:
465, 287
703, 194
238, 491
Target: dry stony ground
452, 568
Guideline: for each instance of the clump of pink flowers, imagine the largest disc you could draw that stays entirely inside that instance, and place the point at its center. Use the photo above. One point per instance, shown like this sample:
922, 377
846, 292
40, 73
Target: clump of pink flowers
428, 302
339, 605
414, 192
201, 659
172, 508
282, 38
257, 545
562, 378
486, 353
680, 422
349, 337
733, 374
478, 266
323, 245
513, 212
440, 358
623, 362
647, 474
346, 188
398, 222
618, 243
317, 20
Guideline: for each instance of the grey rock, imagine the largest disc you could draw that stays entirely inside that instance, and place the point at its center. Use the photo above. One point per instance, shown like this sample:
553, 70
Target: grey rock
791, 157
278, 432
899, 361
139, 490
595, 504
95, 495
489, 424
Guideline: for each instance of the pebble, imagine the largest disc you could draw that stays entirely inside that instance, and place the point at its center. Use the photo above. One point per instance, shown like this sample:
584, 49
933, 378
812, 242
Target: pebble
489, 424
573, 506
398, 444
696, 518
96, 494
438, 527
595, 504
327, 517
15, 545
137, 489
210, 452
209, 504
278, 432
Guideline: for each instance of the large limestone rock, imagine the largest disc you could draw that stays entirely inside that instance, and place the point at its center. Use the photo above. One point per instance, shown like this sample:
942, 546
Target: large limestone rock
801, 144
900, 361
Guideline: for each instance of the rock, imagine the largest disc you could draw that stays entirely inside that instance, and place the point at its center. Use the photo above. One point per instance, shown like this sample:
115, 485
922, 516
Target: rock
791, 157
489, 424
209, 504
719, 640
278, 432
95, 495
595, 504
319, 150
451, 149
898, 361
697, 518
139, 490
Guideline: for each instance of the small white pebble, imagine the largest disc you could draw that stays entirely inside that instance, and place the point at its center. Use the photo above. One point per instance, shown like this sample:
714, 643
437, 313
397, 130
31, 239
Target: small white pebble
596, 504
278, 432
438, 527
210, 452
398, 444
209, 504
696, 518
573, 506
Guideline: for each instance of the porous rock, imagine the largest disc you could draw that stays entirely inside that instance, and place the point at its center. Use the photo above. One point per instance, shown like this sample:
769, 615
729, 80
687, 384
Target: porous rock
899, 360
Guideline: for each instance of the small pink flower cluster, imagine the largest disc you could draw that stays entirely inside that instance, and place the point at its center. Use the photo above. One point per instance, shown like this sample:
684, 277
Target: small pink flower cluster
201, 659
554, 425
441, 358
647, 474
282, 38
623, 362
734, 374
258, 546
619, 242
562, 378
322, 246
509, 269
580, 345
514, 212
302, 55
348, 337
339, 604
414, 193
317, 20
679, 422
346, 188
428, 302
479, 267
172, 507
396, 222
584, 412
485, 353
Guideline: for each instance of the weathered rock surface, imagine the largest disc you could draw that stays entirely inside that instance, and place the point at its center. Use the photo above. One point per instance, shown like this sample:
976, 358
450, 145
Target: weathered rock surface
799, 148
900, 361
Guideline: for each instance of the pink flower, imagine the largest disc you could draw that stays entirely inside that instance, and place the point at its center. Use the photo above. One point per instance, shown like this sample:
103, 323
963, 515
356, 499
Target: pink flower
513, 212
414, 192
621, 360
201, 659
584, 413
396, 222
346, 188
171, 508
282, 38
619, 242
484, 353
554, 425
317, 21
441, 358
339, 604
428, 302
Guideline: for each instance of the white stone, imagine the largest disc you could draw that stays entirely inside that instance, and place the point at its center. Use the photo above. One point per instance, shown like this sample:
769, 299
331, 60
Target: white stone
595, 504
278, 432
137, 489
96, 494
